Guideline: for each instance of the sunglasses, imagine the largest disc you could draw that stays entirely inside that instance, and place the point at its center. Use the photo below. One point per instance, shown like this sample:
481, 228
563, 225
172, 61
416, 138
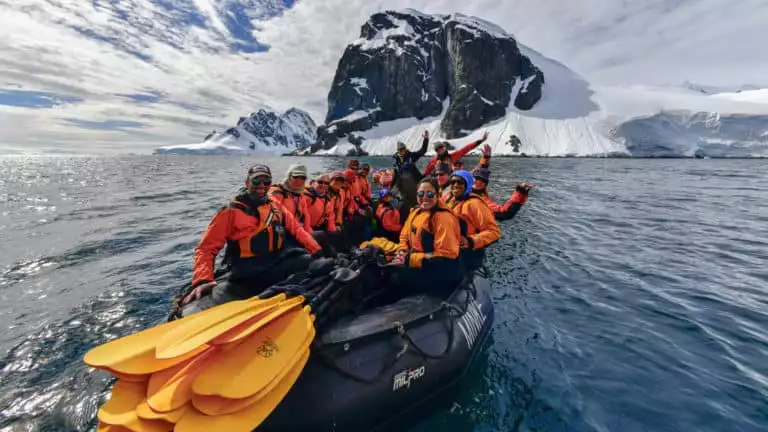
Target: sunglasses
321, 182
258, 182
458, 164
299, 177
430, 194
457, 181
441, 174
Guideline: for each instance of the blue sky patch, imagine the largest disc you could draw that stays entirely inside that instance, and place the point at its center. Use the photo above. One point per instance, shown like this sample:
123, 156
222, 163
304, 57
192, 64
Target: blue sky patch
106, 124
148, 97
33, 99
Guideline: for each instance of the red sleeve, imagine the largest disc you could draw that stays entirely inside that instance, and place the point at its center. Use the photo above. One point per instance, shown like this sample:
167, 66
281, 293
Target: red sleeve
213, 241
430, 167
298, 232
458, 154
494, 206
391, 220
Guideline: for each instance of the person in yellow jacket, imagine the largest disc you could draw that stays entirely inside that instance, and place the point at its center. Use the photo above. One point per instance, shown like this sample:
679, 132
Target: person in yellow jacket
429, 246
478, 226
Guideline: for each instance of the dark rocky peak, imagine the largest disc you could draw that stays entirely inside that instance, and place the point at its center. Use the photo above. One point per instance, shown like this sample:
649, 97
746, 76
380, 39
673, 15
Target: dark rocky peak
409, 64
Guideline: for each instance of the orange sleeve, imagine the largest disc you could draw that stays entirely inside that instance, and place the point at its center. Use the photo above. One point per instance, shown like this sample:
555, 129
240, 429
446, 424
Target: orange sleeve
485, 162
276, 197
488, 231
298, 232
211, 243
391, 220
304, 209
338, 207
330, 210
404, 233
446, 240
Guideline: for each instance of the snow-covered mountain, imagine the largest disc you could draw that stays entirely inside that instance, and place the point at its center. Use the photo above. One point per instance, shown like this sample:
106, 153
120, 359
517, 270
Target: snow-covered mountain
263, 132
573, 117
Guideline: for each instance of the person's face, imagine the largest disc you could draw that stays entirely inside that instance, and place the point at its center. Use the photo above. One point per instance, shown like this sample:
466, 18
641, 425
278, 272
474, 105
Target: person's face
297, 181
480, 184
442, 178
364, 172
337, 184
441, 150
258, 185
426, 196
402, 151
458, 165
321, 185
457, 187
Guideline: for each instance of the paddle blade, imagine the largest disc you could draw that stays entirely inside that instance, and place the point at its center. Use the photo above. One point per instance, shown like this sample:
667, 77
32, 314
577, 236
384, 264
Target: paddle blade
146, 363
216, 405
144, 411
247, 419
246, 370
126, 347
119, 412
184, 339
247, 328
171, 389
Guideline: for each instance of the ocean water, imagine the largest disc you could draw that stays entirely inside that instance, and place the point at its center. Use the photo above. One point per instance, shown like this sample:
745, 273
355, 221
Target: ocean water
631, 295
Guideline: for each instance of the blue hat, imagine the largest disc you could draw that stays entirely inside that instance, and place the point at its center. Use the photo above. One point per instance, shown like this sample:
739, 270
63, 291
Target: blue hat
383, 192
469, 180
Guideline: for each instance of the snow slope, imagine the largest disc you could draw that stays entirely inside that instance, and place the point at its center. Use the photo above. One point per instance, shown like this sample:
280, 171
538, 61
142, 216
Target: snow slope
261, 133
576, 118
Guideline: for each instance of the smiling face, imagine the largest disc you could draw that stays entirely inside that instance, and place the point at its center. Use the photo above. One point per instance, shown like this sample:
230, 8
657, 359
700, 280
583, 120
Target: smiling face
258, 185
441, 150
458, 187
426, 196
297, 182
321, 185
480, 184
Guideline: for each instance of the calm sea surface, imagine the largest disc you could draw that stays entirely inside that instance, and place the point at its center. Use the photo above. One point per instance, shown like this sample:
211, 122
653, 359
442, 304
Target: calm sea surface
631, 295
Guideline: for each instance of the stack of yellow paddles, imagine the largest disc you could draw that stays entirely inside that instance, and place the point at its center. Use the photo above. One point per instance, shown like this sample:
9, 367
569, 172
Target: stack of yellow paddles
224, 369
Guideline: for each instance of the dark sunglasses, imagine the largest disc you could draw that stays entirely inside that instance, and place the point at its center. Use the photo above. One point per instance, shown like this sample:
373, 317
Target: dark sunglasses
430, 194
321, 182
457, 181
441, 173
258, 182
299, 177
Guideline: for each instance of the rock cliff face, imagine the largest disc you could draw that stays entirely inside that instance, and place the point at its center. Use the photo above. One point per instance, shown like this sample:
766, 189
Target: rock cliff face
408, 64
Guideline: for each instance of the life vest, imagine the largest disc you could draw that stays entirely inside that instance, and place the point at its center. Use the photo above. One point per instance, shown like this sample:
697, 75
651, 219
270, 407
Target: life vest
383, 208
324, 216
267, 237
293, 198
425, 234
454, 205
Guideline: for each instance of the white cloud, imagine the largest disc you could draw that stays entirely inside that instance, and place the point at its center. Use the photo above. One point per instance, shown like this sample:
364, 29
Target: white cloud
184, 53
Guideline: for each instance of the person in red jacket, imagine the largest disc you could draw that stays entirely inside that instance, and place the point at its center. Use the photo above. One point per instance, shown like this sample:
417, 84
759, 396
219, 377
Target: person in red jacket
387, 217
254, 230
511, 207
365, 185
443, 156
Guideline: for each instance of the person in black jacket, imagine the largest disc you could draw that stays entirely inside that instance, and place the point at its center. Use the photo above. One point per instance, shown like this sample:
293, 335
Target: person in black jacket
407, 175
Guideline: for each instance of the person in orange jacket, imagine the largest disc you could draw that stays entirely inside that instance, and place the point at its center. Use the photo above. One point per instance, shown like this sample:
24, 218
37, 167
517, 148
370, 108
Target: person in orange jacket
511, 207
365, 185
429, 245
289, 194
443, 156
320, 206
478, 226
254, 230
442, 175
336, 192
387, 217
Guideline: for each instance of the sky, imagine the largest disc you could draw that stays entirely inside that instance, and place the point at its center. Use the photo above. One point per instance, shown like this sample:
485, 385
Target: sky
98, 76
